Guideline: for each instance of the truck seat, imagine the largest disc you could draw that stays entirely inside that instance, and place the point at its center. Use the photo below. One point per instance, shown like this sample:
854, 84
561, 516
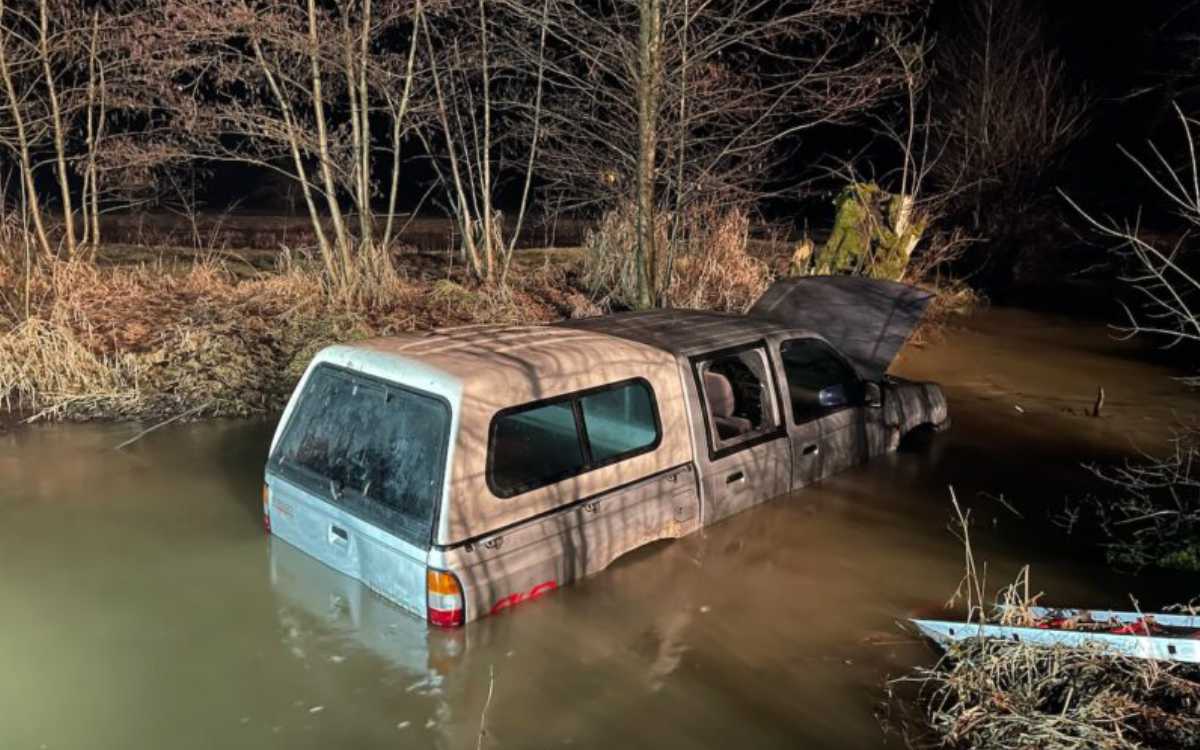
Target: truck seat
718, 393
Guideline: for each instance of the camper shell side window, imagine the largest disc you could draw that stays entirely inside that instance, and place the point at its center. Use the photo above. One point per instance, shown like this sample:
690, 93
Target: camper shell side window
544, 442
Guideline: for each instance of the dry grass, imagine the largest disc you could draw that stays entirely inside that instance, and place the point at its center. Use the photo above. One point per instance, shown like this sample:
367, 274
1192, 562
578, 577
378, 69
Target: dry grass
83, 341
207, 333
714, 269
999, 694
988, 693
706, 256
951, 299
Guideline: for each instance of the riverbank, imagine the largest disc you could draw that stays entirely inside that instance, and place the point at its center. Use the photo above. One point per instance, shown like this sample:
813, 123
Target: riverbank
201, 338
164, 332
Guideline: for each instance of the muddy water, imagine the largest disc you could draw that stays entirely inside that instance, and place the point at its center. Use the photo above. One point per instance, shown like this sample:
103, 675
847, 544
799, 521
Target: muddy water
141, 605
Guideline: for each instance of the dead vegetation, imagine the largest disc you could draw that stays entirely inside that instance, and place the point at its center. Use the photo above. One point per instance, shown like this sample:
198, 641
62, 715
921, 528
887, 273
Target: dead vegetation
989, 693
82, 341
207, 334
1154, 518
162, 332
707, 260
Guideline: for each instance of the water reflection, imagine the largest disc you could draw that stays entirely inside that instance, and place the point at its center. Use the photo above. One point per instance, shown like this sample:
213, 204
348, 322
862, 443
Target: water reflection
319, 608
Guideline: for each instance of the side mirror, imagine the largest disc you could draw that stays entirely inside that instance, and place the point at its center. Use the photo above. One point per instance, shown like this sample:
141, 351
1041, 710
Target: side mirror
872, 395
833, 396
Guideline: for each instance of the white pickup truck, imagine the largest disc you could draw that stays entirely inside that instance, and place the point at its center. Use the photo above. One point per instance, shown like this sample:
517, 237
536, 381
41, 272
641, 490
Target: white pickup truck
460, 473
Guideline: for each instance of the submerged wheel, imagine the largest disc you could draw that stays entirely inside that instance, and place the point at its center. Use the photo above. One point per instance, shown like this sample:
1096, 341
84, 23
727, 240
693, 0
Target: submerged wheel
918, 439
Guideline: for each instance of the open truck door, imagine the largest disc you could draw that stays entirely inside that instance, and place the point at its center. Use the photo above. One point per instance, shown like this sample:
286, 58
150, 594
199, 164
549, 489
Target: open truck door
868, 320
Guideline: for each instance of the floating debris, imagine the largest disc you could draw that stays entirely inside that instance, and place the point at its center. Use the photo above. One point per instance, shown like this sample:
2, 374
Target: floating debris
1164, 637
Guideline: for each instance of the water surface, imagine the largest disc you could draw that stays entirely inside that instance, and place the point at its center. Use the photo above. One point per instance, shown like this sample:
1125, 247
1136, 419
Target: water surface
142, 606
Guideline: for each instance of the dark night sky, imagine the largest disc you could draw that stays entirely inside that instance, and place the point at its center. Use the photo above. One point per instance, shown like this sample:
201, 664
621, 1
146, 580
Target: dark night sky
1116, 50
1112, 49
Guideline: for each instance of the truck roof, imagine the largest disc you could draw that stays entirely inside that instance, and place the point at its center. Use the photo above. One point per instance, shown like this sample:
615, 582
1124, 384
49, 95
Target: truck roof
519, 363
680, 332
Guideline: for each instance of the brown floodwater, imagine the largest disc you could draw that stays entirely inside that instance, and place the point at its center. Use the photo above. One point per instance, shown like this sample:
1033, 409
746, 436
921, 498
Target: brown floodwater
142, 606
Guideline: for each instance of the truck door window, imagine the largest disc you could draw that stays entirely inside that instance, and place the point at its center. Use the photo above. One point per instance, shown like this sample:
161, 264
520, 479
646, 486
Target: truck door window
737, 388
811, 365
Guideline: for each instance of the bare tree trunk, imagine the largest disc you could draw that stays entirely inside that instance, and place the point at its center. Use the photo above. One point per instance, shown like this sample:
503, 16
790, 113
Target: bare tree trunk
56, 123
398, 115
93, 151
463, 209
356, 129
28, 188
533, 143
682, 137
367, 218
318, 103
89, 200
985, 105
485, 167
357, 94
298, 162
649, 44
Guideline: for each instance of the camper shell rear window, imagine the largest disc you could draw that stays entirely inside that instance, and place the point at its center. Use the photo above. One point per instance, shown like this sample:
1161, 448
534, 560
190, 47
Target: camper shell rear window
548, 441
374, 448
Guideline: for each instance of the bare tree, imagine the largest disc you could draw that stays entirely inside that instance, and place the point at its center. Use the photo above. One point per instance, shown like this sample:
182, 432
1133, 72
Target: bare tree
1156, 518
75, 102
298, 87
1005, 112
486, 78
916, 202
1165, 277
23, 125
668, 103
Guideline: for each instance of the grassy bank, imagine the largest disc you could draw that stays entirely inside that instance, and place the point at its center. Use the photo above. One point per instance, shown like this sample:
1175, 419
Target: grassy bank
158, 331
80, 340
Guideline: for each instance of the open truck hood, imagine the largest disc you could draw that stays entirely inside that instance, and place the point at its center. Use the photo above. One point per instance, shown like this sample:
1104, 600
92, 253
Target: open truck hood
868, 320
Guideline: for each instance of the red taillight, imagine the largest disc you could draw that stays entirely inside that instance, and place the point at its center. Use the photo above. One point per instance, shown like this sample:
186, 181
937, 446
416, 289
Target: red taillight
444, 599
445, 618
267, 508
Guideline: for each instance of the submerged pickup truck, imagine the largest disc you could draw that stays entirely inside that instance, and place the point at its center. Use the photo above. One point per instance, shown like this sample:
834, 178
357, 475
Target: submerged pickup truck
459, 473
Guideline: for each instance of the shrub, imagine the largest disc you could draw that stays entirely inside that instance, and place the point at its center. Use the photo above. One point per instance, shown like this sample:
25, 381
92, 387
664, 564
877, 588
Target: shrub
705, 259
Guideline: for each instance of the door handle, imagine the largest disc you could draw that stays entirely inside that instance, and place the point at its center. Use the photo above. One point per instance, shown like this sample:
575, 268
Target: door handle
811, 450
338, 535
736, 476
